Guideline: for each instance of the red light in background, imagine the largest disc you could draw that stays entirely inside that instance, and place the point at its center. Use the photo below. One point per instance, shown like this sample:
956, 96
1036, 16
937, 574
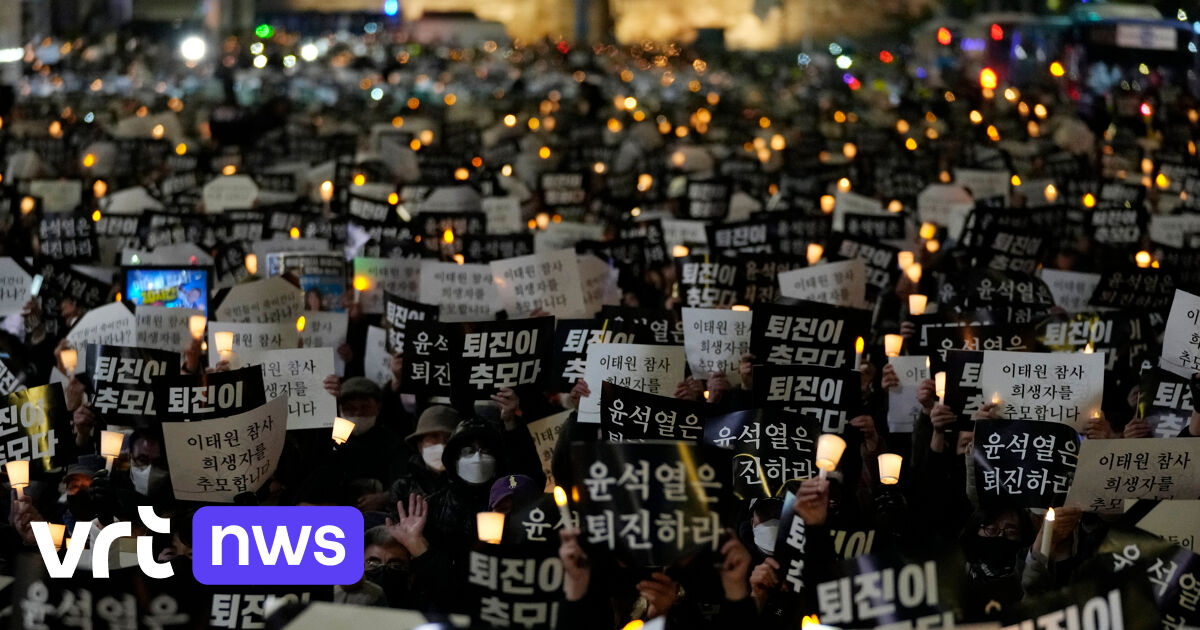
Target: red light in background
564, 47
997, 32
1146, 111
885, 56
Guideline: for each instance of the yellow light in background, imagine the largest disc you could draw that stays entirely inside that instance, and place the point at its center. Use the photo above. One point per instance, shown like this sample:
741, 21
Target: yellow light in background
679, 251
1023, 108
181, 149
1039, 110
849, 150
681, 131
398, 122
99, 188
843, 184
1051, 193
460, 259
228, 169
1015, 180
814, 253
895, 206
630, 102
910, 144
1089, 200
361, 283
300, 323
928, 230
993, 133
27, 204
251, 263
55, 129
764, 122
944, 177
904, 259
827, 203
414, 144
839, 117
510, 121
1032, 129
413, 102
614, 125
360, 179
1161, 181
932, 246
461, 174
976, 117
533, 124
393, 199
778, 143
448, 236
636, 212
426, 136
1057, 69
901, 126
599, 168
1147, 166
506, 170
89, 160
326, 190
1011, 95
1142, 259
294, 232
157, 132
542, 220
913, 272
96, 216
544, 153
645, 182
450, 99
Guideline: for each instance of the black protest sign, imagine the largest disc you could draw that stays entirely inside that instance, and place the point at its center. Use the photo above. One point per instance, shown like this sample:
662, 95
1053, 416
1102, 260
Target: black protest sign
1170, 573
648, 326
426, 354
489, 356
1118, 224
68, 238
536, 521
1003, 249
792, 232
828, 395
370, 210
811, 333
938, 339
1024, 463
1165, 401
627, 254
882, 265
886, 590
397, 312
186, 397
484, 248
440, 230
33, 425
651, 503
246, 608
879, 227
753, 236
770, 449
1092, 602
708, 282
1120, 335
991, 289
629, 415
1149, 289
964, 394
571, 339
708, 199
515, 586
564, 193
654, 248
121, 380
760, 276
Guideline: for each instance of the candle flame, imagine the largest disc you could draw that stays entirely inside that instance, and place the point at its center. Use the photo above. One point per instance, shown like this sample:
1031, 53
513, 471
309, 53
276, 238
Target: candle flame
560, 496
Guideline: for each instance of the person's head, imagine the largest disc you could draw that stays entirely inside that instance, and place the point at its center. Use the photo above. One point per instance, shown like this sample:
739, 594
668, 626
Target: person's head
434, 427
512, 491
764, 521
193, 295
475, 453
69, 308
312, 300
144, 449
381, 551
360, 403
994, 539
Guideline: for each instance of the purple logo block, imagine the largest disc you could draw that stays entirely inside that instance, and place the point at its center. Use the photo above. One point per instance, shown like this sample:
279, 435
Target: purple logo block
277, 545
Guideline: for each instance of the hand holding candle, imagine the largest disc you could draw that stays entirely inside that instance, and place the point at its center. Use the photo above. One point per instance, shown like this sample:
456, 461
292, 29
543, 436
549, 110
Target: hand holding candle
917, 304
858, 352
18, 475
342, 428
491, 526
829, 452
889, 468
939, 386
70, 359
110, 447
892, 345
196, 324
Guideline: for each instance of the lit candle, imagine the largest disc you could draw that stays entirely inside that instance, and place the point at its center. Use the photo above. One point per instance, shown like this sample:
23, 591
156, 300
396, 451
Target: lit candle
491, 526
1048, 534
914, 272
917, 304
196, 324
905, 259
939, 386
560, 498
18, 475
58, 532
361, 283
814, 253
858, 351
110, 447
300, 323
69, 359
889, 468
892, 345
829, 452
224, 341
342, 428
252, 264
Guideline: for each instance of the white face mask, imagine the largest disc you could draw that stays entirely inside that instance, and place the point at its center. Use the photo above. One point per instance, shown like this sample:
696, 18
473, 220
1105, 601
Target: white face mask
140, 476
765, 535
477, 467
362, 424
432, 455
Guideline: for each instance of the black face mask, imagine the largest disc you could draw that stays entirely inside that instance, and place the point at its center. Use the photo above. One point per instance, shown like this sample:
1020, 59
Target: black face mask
391, 579
992, 557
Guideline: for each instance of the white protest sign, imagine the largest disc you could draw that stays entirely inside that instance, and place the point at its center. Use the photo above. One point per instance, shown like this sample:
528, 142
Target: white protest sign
903, 408
57, 195
299, 375
215, 460
1065, 387
549, 281
650, 369
1178, 521
377, 363
270, 301
229, 192
682, 232
14, 287
251, 338
715, 340
109, 325
1111, 471
401, 276
1071, 289
1181, 341
545, 437
451, 199
326, 329
945, 204
983, 184
853, 203
599, 284
564, 235
503, 215
842, 283
1171, 229
164, 328
463, 293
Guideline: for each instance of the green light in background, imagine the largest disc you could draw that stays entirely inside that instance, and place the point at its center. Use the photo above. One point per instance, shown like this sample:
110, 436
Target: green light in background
265, 31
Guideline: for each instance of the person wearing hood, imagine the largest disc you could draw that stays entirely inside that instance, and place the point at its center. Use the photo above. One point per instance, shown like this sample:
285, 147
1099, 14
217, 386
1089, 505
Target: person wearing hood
374, 450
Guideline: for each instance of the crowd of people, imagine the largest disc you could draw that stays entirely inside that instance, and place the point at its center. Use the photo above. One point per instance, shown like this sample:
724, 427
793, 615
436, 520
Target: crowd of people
108, 129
